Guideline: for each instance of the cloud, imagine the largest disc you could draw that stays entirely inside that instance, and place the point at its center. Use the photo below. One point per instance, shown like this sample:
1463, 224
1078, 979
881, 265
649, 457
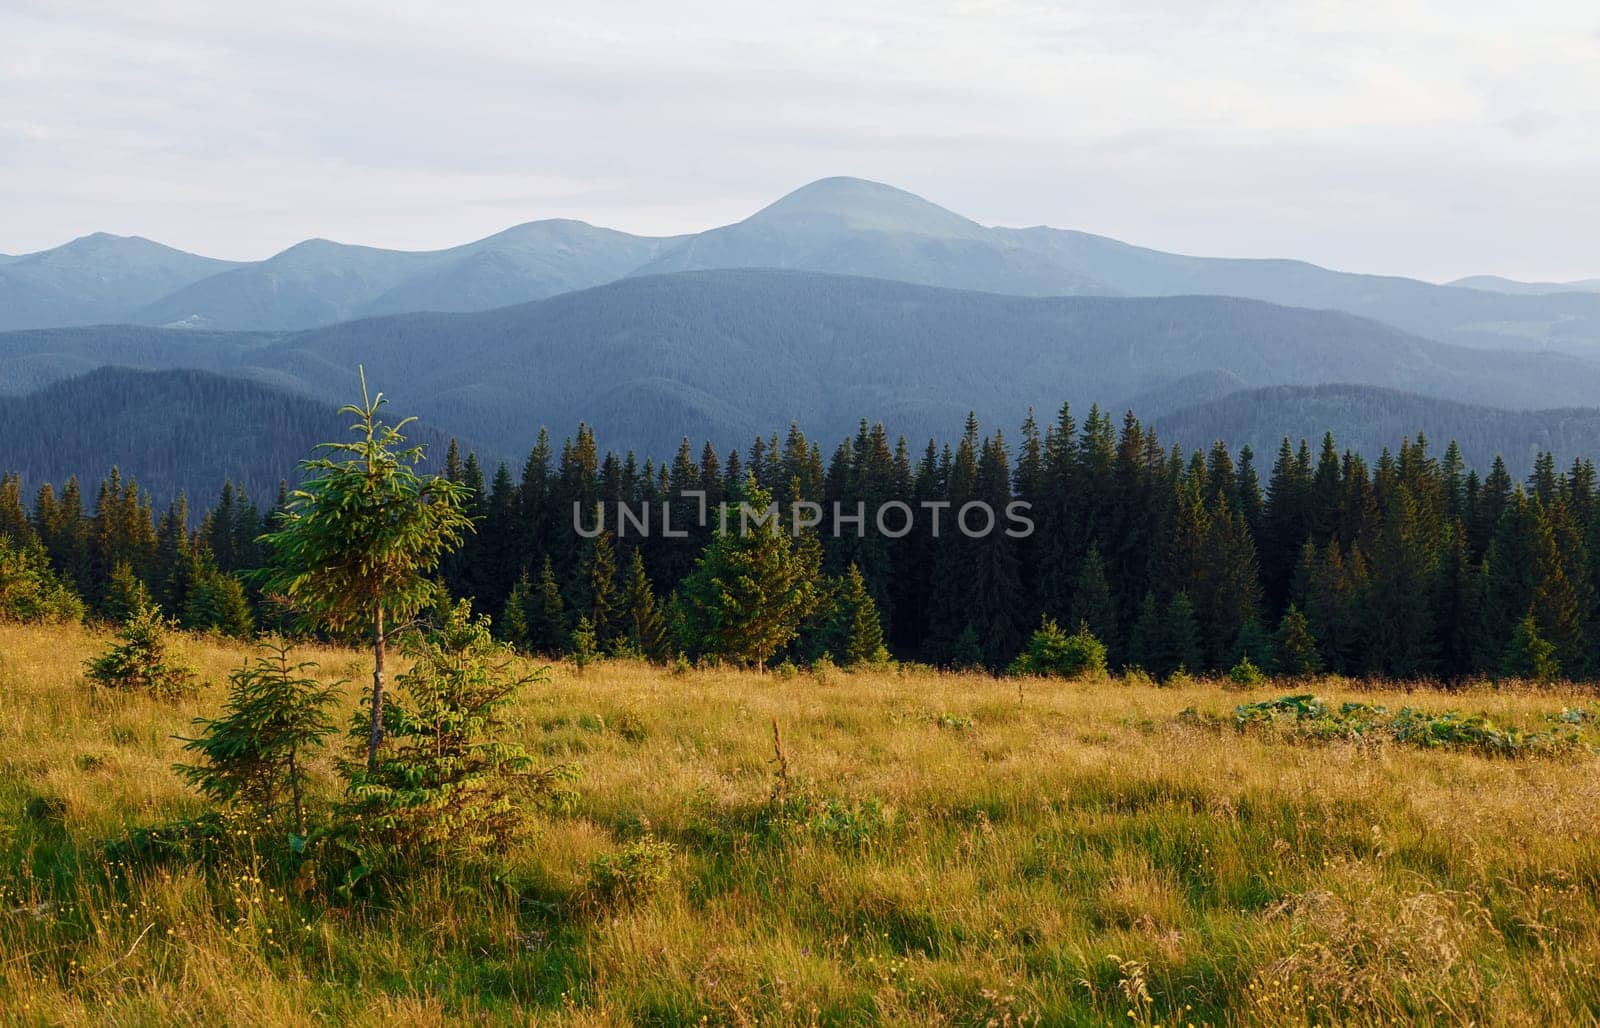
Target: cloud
1352, 134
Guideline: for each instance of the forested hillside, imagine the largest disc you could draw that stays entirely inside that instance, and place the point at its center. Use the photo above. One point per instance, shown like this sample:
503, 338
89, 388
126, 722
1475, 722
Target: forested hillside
1402, 565
1368, 419
175, 431
721, 354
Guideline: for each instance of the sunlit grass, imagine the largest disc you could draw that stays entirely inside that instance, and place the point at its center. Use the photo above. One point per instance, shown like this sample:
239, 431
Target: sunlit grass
946, 849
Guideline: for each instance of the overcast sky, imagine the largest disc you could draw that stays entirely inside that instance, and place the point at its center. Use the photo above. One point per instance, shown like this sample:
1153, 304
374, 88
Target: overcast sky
1429, 139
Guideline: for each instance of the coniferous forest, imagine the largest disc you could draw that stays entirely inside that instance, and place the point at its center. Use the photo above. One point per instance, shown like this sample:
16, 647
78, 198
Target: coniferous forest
1402, 564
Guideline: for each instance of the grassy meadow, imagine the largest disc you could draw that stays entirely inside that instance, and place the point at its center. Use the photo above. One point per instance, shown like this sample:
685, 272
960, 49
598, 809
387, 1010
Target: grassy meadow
930, 849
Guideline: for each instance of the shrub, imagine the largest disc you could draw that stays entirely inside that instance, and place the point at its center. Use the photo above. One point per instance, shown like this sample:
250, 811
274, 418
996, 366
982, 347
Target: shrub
1245, 674
143, 659
631, 726
1053, 653
30, 591
447, 780
633, 873
250, 757
1135, 675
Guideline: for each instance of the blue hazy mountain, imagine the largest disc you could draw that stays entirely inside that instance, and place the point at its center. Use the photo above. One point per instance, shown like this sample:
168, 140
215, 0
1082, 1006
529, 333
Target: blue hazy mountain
95, 279
836, 225
849, 226
320, 282
1496, 284
725, 354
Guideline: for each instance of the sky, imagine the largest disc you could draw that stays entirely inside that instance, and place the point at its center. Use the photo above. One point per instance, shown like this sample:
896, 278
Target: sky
1416, 138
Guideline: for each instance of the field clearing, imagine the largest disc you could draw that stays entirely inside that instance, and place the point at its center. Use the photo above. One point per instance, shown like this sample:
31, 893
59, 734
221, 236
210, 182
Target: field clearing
942, 849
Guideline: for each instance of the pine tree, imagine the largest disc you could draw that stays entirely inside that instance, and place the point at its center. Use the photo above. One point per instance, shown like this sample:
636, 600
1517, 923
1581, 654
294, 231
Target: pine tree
1092, 602
1529, 655
1295, 645
642, 624
1144, 649
966, 654
252, 757
545, 614
1180, 639
1256, 645
594, 593
512, 626
361, 536
854, 628
748, 593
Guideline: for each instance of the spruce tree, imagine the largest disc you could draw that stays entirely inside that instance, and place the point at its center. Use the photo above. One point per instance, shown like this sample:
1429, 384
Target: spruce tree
361, 536
854, 633
1529, 655
1180, 639
642, 625
253, 756
1092, 601
749, 591
1296, 647
546, 615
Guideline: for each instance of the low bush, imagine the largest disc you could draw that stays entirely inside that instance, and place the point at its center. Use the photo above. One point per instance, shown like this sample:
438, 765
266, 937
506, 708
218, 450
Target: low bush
142, 659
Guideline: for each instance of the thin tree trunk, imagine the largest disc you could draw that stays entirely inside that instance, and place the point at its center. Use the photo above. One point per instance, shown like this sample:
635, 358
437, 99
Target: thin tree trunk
294, 790
376, 735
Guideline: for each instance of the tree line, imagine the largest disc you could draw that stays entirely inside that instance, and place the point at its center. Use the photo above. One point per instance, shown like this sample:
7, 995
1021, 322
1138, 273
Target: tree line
1409, 566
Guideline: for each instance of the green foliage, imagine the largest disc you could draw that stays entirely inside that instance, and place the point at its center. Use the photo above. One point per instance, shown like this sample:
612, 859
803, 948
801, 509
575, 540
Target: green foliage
1255, 644
1309, 718
1092, 602
749, 592
643, 626
1245, 674
1529, 656
1051, 652
585, 649
854, 631
125, 594
635, 872
449, 781
1178, 648
1296, 647
358, 539
217, 603
535, 619
251, 757
142, 659
30, 591
967, 653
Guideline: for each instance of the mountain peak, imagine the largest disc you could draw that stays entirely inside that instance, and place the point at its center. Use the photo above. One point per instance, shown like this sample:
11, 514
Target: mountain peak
861, 204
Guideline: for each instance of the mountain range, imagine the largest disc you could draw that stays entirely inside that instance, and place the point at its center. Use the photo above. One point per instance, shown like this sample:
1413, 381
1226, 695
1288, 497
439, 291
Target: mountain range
840, 225
844, 300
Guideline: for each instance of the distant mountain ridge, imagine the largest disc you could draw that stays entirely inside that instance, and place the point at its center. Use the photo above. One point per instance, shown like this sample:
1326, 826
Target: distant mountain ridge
1496, 284
836, 225
721, 355
1368, 419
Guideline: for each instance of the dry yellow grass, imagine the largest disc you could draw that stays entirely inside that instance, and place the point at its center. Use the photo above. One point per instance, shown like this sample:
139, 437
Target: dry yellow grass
951, 852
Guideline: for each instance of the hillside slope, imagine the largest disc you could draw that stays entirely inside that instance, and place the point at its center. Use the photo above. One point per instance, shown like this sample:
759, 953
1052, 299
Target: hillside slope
175, 431
725, 354
1367, 419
